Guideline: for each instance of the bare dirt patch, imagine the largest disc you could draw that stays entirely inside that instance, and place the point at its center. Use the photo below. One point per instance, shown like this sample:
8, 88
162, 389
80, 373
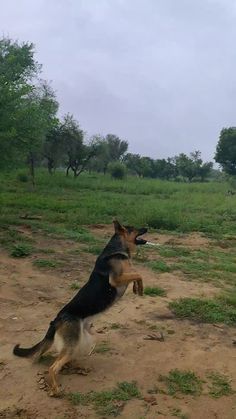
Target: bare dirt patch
30, 298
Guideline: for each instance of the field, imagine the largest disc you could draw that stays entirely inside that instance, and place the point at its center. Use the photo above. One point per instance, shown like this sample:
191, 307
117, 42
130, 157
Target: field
170, 353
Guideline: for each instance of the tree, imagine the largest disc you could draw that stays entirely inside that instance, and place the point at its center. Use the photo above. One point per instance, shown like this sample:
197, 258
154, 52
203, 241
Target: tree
77, 153
226, 150
37, 115
108, 149
185, 166
205, 170
117, 147
17, 69
53, 147
133, 163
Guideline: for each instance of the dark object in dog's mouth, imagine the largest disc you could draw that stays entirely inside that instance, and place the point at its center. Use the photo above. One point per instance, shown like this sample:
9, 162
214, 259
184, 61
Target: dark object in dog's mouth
138, 239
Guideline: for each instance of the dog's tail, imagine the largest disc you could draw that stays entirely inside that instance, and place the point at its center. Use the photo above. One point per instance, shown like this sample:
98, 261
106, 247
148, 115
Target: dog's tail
40, 347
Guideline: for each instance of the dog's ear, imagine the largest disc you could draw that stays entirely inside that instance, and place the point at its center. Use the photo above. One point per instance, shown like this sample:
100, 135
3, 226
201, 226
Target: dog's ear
119, 229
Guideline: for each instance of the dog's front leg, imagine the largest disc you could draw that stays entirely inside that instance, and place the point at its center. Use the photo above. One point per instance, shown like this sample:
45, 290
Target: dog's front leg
126, 278
138, 287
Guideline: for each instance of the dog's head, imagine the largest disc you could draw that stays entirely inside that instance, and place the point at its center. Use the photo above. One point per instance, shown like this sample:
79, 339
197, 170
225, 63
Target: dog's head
130, 235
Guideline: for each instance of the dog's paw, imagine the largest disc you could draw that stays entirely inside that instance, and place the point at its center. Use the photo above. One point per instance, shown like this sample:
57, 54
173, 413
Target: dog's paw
135, 287
138, 287
43, 381
45, 385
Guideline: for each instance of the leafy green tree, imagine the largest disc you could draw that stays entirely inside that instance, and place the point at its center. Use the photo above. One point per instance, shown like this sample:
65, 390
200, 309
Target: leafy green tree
205, 170
226, 150
185, 166
108, 149
77, 153
53, 147
133, 163
17, 70
116, 147
37, 116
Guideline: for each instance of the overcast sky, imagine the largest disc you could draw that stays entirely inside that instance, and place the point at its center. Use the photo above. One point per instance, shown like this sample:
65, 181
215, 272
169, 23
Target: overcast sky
158, 73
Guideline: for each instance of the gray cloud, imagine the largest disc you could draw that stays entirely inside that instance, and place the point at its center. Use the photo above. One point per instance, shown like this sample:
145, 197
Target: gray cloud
159, 73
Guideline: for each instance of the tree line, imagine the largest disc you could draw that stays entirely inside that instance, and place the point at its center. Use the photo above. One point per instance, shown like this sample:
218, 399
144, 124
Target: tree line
31, 131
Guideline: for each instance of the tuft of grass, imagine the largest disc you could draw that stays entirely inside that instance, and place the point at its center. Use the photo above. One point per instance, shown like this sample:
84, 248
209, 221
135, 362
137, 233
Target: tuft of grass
184, 382
75, 286
46, 251
46, 263
102, 347
115, 326
95, 249
220, 385
159, 265
218, 310
173, 251
178, 413
107, 402
21, 250
154, 291
10, 237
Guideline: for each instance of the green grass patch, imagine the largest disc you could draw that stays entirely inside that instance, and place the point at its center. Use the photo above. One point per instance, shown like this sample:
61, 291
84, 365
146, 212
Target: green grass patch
107, 402
75, 286
176, 412
95, 249
46, 251
67, 204
154, 291
218, 310
46, 263
220, 385
173, 251
10, 237
21, 250
159, 266
102, 347
115, 326
182, 382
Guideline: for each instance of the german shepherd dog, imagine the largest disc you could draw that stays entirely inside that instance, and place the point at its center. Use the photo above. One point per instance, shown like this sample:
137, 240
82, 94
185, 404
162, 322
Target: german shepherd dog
71, 329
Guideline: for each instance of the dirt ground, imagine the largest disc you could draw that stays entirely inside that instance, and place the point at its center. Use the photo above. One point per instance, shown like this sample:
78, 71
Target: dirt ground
30, 298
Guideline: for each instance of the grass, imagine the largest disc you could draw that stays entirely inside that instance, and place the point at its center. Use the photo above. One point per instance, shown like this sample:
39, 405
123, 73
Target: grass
67, 204
75, 286
107, 402
95, 249
176, 412
218, 310
159, 266
173, 251
46, 263
102, 347
182, 382
115, 326
154, 291
21, 250
207, 264
220, 385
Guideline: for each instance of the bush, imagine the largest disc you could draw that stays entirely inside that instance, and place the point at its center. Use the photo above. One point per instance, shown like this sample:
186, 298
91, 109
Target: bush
117, 170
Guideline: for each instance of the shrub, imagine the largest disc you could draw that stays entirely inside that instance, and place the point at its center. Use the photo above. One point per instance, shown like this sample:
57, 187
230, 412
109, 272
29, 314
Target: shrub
117, 170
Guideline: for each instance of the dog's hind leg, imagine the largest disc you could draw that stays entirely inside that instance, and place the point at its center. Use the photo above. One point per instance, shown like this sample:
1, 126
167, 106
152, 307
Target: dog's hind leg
55, 368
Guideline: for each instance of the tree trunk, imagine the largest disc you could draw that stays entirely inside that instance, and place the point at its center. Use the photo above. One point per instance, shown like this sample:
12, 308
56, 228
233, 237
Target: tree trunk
67, 170
32, 169
50, 166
